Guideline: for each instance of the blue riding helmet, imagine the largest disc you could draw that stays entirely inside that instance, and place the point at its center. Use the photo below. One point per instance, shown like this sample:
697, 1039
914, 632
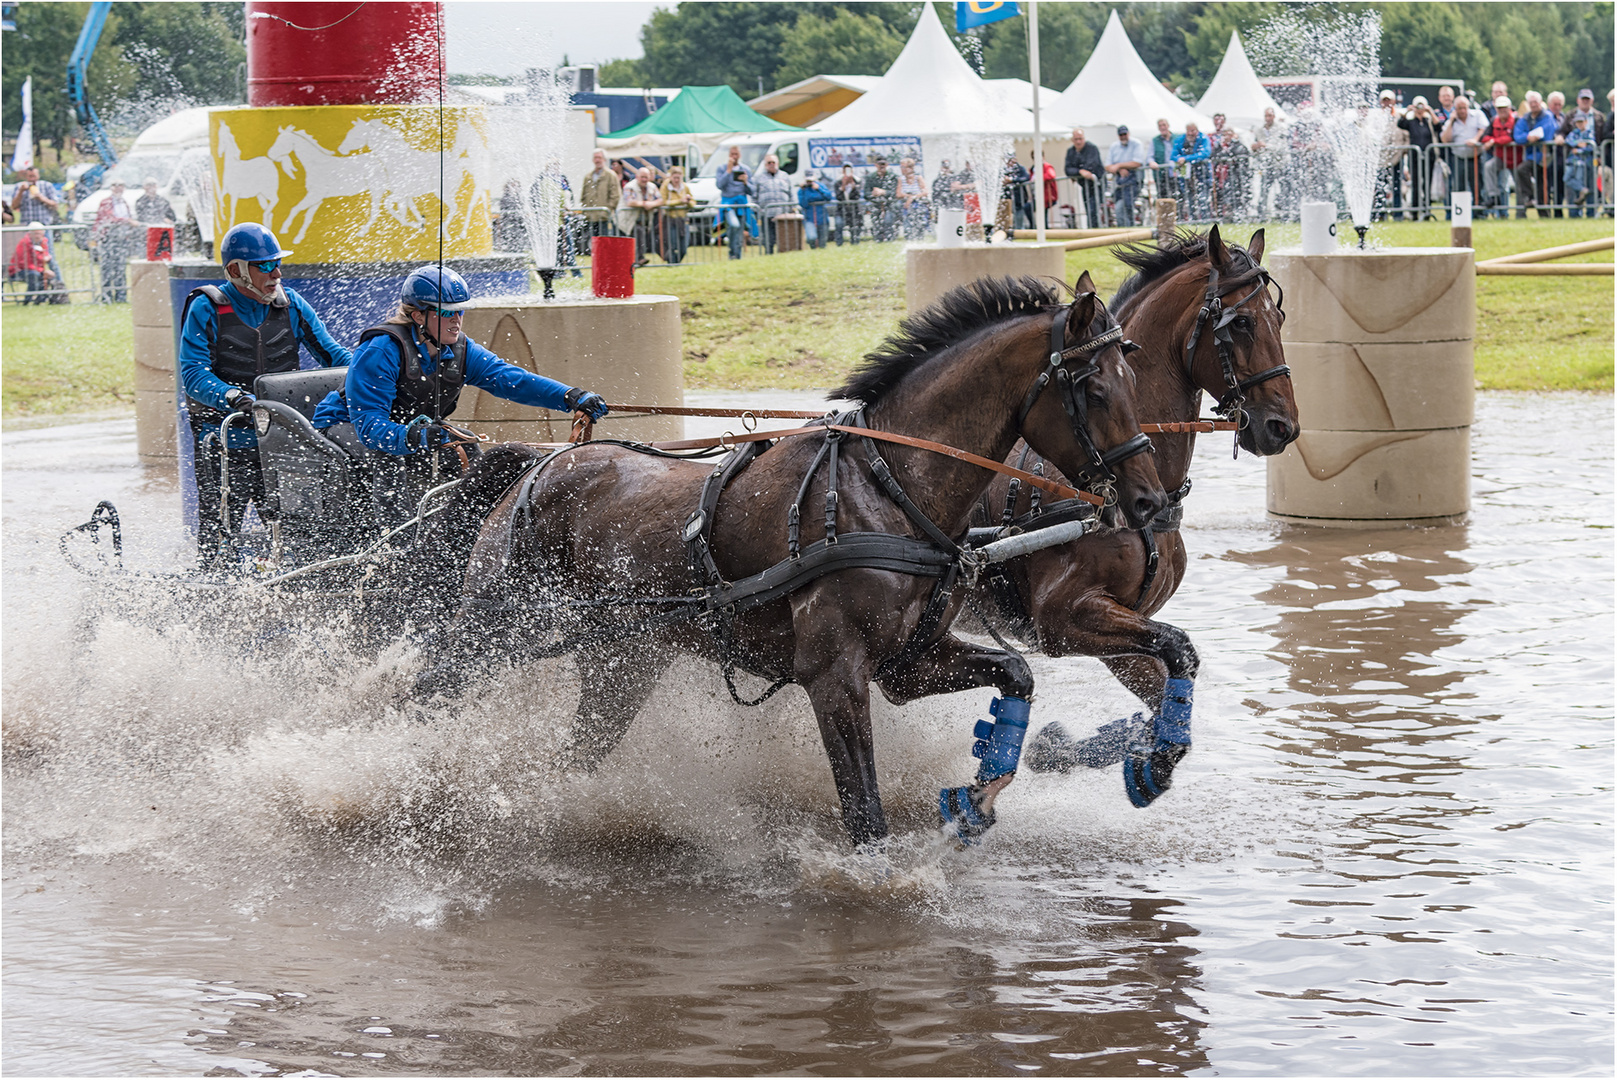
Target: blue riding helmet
434, 286
250, 242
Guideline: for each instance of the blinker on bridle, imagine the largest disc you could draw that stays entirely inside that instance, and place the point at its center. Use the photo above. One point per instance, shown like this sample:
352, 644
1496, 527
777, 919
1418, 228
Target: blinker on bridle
1099, 473
1220, 315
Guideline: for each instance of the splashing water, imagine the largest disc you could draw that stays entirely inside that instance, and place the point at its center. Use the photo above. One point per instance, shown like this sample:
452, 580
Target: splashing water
1343, 52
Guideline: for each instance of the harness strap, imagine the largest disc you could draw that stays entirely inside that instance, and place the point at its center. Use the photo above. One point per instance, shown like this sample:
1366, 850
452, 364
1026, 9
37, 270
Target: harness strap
1167, 520
889, 484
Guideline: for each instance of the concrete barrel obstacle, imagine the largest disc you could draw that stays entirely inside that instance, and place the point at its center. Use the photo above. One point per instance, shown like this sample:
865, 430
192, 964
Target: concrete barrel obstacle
1380, 348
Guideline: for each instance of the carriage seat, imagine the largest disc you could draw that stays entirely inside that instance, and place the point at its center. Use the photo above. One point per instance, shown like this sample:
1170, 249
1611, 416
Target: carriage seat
312, 484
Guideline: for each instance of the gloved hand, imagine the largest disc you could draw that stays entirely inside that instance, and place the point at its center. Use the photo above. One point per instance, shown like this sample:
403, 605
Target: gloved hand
238, 399
578, 399
422, 432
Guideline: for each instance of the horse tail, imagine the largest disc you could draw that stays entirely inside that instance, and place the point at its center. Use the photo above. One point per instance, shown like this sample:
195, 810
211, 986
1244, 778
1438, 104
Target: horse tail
435, 566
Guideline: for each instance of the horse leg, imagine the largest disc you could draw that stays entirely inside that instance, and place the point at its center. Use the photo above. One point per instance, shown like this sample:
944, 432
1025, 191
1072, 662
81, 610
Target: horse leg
831, 663
950, 665
1154, 660
616, 684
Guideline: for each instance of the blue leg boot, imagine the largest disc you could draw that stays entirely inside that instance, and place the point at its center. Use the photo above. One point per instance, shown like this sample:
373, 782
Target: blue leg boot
999, 749
1155, 749
1053, 750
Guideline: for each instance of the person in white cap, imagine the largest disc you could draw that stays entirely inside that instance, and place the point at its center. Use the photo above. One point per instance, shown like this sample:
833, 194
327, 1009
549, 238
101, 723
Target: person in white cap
1390, 177
1423, 127
1498, 172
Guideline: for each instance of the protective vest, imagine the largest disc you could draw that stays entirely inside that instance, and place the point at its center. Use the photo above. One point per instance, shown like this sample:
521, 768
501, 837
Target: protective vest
420, 394
240, 352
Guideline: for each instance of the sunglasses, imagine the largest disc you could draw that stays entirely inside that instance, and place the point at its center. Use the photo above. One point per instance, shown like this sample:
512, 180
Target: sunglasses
445, 313
268, 266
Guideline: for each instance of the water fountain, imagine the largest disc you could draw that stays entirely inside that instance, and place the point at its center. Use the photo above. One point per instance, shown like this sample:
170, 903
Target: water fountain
346, 152
1379, 339
930, 270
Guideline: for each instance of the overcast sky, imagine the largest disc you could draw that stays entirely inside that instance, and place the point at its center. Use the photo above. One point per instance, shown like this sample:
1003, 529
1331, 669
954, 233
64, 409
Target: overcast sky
496, 38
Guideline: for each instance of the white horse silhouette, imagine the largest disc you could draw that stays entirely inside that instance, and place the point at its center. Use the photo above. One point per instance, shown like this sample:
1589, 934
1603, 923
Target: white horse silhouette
331, 176
412, 173
246, 178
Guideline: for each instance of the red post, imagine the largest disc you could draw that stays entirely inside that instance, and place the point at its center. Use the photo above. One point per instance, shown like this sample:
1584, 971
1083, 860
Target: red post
344, 53
612, 266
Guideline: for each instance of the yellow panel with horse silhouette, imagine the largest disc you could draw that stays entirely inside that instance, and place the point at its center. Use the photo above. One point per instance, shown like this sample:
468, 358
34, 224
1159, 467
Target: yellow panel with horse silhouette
356, 183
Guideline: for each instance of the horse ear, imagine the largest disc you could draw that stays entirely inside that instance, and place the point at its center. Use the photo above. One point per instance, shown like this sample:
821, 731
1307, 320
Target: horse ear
1084, 285
1082, 312
1217, 253
1254, 246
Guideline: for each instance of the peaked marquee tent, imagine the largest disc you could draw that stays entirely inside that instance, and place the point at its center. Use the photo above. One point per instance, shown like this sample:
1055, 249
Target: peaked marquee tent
929, 90
700, 116
1115, 87
1236, 92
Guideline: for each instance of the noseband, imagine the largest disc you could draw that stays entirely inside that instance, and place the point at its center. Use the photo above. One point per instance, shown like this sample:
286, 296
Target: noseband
1220, 315
1099, 473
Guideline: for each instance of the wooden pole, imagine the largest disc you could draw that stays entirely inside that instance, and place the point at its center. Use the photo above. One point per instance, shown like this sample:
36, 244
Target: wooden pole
1077, 234
1545, 269
1167, 217
1545, 254
1109, 241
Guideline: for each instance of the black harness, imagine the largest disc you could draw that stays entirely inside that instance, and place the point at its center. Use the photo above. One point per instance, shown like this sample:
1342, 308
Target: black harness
1219, 315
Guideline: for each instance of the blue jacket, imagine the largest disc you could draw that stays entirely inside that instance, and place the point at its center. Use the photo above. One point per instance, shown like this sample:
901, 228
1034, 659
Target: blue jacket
1200, 150
1525, 124
812, 200
373, 381
196, 343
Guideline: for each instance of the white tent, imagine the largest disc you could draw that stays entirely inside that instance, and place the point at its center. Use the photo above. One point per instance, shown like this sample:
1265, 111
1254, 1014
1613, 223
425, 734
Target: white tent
1115, 87
929, 90
1236, 92
1018, 93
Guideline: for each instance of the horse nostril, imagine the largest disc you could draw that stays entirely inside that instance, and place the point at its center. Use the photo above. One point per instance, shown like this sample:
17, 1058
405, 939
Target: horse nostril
1145, 508
1281, 431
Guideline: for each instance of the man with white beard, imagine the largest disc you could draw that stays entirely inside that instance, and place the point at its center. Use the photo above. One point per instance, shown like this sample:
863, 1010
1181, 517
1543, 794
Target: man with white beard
231, 334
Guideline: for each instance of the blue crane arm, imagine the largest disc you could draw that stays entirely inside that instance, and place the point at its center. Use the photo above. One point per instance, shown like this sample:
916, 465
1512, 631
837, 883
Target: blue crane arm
78, 71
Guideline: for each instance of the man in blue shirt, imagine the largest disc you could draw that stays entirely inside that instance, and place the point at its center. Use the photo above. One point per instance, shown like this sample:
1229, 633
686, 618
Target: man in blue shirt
1535, 129
1192, 149
406, 378
1124, 161
231, 334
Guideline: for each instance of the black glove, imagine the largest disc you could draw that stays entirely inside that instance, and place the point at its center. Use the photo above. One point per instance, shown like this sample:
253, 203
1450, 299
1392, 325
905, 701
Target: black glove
238, 399
578, 399
422, 432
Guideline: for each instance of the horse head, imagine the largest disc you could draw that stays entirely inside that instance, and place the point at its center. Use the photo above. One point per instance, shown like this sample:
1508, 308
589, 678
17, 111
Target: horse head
1238, 356
283, 149
361, 136
1079, 413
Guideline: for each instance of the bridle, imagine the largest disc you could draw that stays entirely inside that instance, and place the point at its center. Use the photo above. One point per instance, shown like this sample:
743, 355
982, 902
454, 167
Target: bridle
1219, 316
1099, 473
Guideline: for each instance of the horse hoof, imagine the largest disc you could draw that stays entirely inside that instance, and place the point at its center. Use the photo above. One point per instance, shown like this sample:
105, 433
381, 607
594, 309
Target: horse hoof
963, 817
1053, 750
1149, 765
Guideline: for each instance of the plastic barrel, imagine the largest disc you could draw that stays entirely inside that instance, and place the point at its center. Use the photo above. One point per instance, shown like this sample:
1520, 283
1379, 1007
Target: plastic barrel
343, 53
612, 266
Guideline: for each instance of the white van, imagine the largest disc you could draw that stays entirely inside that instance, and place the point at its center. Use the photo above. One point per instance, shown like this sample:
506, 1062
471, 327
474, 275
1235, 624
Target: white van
789, 147
175, 151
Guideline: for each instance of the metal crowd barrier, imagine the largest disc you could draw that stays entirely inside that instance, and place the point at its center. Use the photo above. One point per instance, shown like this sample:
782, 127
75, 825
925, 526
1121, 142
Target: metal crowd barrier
75, 262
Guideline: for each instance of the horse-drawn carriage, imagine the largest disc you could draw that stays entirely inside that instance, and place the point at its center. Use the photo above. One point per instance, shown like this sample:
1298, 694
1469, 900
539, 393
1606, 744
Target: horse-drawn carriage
996, 460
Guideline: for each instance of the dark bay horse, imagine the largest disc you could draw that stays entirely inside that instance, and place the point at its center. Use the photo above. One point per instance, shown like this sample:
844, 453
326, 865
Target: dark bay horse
1095, 596
599, 527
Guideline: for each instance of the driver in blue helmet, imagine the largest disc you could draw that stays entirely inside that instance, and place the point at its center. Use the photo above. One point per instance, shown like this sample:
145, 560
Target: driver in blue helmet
231, 334
408, 372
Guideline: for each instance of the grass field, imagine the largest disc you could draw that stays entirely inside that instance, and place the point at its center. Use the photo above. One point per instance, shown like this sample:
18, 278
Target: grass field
802, 320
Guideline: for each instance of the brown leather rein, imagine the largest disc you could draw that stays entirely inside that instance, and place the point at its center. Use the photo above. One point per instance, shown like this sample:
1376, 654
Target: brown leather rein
583, 428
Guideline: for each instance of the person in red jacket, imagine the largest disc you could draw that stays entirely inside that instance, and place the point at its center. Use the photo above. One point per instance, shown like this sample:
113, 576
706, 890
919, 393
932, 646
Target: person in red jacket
32, 263
1501, 139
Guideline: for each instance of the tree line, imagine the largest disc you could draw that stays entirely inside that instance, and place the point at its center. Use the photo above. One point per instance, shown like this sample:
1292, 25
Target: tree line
153, 57
1560, 46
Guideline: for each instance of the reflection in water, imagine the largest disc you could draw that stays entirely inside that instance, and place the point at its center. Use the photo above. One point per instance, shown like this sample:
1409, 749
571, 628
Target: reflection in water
1388, 854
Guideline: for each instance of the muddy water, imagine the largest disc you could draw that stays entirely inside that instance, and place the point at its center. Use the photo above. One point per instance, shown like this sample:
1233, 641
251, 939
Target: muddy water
1390, 853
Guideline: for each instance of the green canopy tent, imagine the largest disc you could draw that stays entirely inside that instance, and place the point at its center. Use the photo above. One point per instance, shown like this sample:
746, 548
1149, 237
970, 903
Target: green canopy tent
700, 116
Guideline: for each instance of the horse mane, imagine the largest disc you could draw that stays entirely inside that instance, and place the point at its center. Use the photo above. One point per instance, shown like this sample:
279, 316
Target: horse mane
957, 314
1153, 262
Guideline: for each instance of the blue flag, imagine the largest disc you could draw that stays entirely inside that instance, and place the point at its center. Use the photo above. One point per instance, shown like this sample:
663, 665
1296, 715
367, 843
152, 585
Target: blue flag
969, 13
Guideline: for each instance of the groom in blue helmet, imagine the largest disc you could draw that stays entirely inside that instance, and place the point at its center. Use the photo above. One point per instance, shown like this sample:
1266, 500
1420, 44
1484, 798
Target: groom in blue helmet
231, 334
407, 375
